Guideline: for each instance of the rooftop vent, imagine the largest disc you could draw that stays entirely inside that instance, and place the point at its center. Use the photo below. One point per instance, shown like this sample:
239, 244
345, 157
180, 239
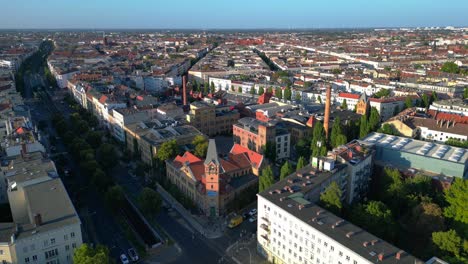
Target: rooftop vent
320, 212
375, 241
365, 244
349, 234
381, 257
399, 254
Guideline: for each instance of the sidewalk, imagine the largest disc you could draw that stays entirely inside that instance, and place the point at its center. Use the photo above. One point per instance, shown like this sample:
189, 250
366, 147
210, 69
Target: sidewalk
211, 229
244, 251
165, 254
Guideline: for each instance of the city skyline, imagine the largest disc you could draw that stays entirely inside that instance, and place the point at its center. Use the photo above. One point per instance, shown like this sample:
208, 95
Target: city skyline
242, 14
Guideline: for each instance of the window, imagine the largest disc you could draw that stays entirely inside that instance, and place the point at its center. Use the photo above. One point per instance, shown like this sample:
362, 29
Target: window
52, 241
26, 260
1, 252
67, 247
34, 258
72, 234
74, 245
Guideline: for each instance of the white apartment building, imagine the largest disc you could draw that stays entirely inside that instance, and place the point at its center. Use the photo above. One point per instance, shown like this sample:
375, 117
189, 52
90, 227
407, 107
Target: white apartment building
350, 98
292, 230
45, 228
453, 106
123, 117
221, 84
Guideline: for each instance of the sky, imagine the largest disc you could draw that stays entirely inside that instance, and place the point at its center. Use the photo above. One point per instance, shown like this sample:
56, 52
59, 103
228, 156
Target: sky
230, 14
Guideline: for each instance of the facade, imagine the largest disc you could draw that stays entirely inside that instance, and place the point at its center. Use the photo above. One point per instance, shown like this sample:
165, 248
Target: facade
45, 227
404, 153
214, 182
350, 98
254, 134
453, 106
358, 159
291, 229
362, 105
123, 117
212, 120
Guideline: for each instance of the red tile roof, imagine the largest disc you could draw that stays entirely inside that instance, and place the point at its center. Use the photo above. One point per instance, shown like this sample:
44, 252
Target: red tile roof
349, 95
103, 99
255, 158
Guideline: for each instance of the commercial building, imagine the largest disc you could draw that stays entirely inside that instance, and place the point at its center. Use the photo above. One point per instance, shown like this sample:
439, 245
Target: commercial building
254, 134
453, 106
406, 153
214, 182
212, 120
146, 137
45, 227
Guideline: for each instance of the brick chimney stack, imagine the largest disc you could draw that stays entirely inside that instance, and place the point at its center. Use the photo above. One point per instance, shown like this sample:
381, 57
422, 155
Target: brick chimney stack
184, 90
326, 120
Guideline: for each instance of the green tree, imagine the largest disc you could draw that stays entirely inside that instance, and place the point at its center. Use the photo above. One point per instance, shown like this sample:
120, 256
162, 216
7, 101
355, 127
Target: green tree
408, 102
101, 180
287, 93
212, 86
149, 201
465, 93
300, 163
252, 90
450, 242
388, 129
426, 218
269, 150
298, 96
115, 196
206, 88
382, 93
425, 101
270, 90
319, 99
318, 146
373, 216
85, 254
239, 89
303, 147
94, 138
279, 93
374, 120
450, 67
200, 144
336, 71
167, 150
107, 155
331, 198
363, 127
286, 170
261, 90
337, 133
457, 198
266, 179
344, 105
232, 88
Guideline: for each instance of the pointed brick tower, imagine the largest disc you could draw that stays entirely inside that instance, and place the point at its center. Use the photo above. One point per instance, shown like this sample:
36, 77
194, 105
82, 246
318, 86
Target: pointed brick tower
212, 171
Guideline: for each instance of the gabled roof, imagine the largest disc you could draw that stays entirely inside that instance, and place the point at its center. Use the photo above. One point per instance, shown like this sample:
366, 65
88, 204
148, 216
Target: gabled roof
254, 158
349, 95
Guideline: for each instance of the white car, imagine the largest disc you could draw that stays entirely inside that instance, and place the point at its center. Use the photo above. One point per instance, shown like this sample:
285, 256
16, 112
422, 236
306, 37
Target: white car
253, 219
253, 212
133, 254
124, 259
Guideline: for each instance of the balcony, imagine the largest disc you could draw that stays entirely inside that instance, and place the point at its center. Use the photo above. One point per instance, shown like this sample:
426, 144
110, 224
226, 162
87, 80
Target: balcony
265, 227
266, 220
266, 238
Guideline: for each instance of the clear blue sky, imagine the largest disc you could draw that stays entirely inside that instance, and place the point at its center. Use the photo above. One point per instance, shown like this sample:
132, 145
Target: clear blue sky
231, 13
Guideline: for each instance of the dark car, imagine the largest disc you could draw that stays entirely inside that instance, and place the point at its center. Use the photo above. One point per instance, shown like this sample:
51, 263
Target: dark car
132, 254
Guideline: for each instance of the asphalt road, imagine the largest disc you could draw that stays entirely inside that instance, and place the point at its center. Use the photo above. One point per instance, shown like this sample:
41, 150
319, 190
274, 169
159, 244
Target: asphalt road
97, 221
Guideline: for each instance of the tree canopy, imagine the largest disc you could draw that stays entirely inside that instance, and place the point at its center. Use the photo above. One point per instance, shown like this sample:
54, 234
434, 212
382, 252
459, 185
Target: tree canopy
200, 144
149, 201
457, 198
450, 67
266, 179
300, 163
88, 255
286, 170
331, 198
318, 145
167, 150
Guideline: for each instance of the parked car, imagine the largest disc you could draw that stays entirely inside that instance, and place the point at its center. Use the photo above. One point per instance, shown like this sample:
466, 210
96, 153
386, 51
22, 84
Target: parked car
253, 219
124, 259
245, 215
133, 254
253, 212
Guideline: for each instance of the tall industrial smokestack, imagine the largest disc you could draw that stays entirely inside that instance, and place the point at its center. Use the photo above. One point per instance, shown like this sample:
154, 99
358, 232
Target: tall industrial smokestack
184, 90
326, 120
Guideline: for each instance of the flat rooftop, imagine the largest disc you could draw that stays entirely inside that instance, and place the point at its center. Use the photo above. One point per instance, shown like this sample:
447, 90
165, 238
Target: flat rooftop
418, 147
